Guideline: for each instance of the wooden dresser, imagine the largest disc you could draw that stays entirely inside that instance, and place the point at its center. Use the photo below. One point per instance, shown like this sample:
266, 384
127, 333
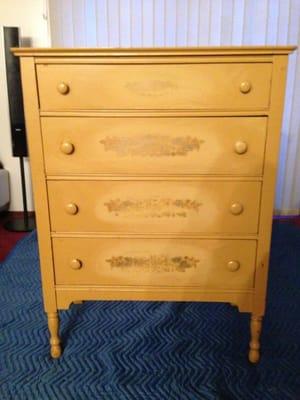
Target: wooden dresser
154, 173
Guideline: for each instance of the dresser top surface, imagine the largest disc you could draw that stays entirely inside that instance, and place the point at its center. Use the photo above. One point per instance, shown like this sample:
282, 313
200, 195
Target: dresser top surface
167, 51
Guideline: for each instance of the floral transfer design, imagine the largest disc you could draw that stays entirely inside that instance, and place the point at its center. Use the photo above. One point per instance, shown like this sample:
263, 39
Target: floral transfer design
151, 145
153, 208
155, 263
152, 88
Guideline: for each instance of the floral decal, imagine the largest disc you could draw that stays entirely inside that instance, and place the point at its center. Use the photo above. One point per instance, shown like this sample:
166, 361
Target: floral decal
154, 207
155, 263
151, 145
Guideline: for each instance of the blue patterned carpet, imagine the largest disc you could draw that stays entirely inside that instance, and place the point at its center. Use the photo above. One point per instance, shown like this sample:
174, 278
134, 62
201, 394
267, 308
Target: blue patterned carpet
143, 350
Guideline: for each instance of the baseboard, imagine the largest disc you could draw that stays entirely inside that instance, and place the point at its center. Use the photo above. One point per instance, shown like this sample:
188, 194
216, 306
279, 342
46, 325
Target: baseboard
288, 212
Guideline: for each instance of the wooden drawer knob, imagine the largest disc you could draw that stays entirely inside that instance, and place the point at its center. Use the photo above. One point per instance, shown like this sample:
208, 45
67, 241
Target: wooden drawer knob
67, 148
75, 263
63, 88
71, 208
245, 87
233, 265
240, 147
236, 208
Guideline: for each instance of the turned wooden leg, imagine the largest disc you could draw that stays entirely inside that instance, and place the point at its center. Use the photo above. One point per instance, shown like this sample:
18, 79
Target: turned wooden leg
255, 329
53, 324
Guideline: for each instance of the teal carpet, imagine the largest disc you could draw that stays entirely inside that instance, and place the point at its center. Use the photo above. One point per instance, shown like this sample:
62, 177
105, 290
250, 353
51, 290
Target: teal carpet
144, 350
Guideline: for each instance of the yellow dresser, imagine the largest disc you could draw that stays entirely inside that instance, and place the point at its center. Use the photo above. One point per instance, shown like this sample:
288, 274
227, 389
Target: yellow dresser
154, 173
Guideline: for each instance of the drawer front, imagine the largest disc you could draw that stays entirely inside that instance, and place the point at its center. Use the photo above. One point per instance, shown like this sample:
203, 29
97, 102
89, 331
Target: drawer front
154, 86
141, 146
160, 206
215, 264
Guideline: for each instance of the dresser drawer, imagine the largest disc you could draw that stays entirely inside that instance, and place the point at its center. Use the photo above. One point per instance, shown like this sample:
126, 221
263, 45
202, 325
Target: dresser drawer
215, 264
141, 146
159, 206
154, 86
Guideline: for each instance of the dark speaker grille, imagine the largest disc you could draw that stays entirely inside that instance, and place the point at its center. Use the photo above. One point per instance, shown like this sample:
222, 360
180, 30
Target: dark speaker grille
15, 97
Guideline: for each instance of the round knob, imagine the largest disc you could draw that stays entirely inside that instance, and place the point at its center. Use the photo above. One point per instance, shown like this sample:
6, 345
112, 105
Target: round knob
71, 208
76, 264
245, 87
67, 148
240, 147
233, 265
236, 208
63, 88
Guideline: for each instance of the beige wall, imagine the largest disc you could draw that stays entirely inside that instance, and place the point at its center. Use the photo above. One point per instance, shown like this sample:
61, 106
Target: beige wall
31, 17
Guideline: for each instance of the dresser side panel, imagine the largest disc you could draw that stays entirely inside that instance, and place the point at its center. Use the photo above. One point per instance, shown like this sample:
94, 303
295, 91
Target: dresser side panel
31, 106
269, 181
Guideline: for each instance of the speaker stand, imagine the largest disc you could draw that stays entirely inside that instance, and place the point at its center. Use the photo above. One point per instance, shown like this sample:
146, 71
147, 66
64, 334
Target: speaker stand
26, 223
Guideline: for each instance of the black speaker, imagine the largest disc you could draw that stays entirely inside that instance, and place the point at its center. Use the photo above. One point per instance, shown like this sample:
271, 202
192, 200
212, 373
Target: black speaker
17, 123
15, 97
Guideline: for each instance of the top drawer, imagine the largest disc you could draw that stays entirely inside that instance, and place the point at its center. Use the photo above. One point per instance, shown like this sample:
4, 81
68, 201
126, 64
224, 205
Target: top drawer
226, 86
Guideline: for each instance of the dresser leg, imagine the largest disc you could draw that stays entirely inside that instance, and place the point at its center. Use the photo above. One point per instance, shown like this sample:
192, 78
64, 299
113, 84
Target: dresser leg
255, 330
53, 324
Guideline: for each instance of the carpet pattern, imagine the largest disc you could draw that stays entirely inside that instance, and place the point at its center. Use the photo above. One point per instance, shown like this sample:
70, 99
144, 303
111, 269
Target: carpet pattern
149, 350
